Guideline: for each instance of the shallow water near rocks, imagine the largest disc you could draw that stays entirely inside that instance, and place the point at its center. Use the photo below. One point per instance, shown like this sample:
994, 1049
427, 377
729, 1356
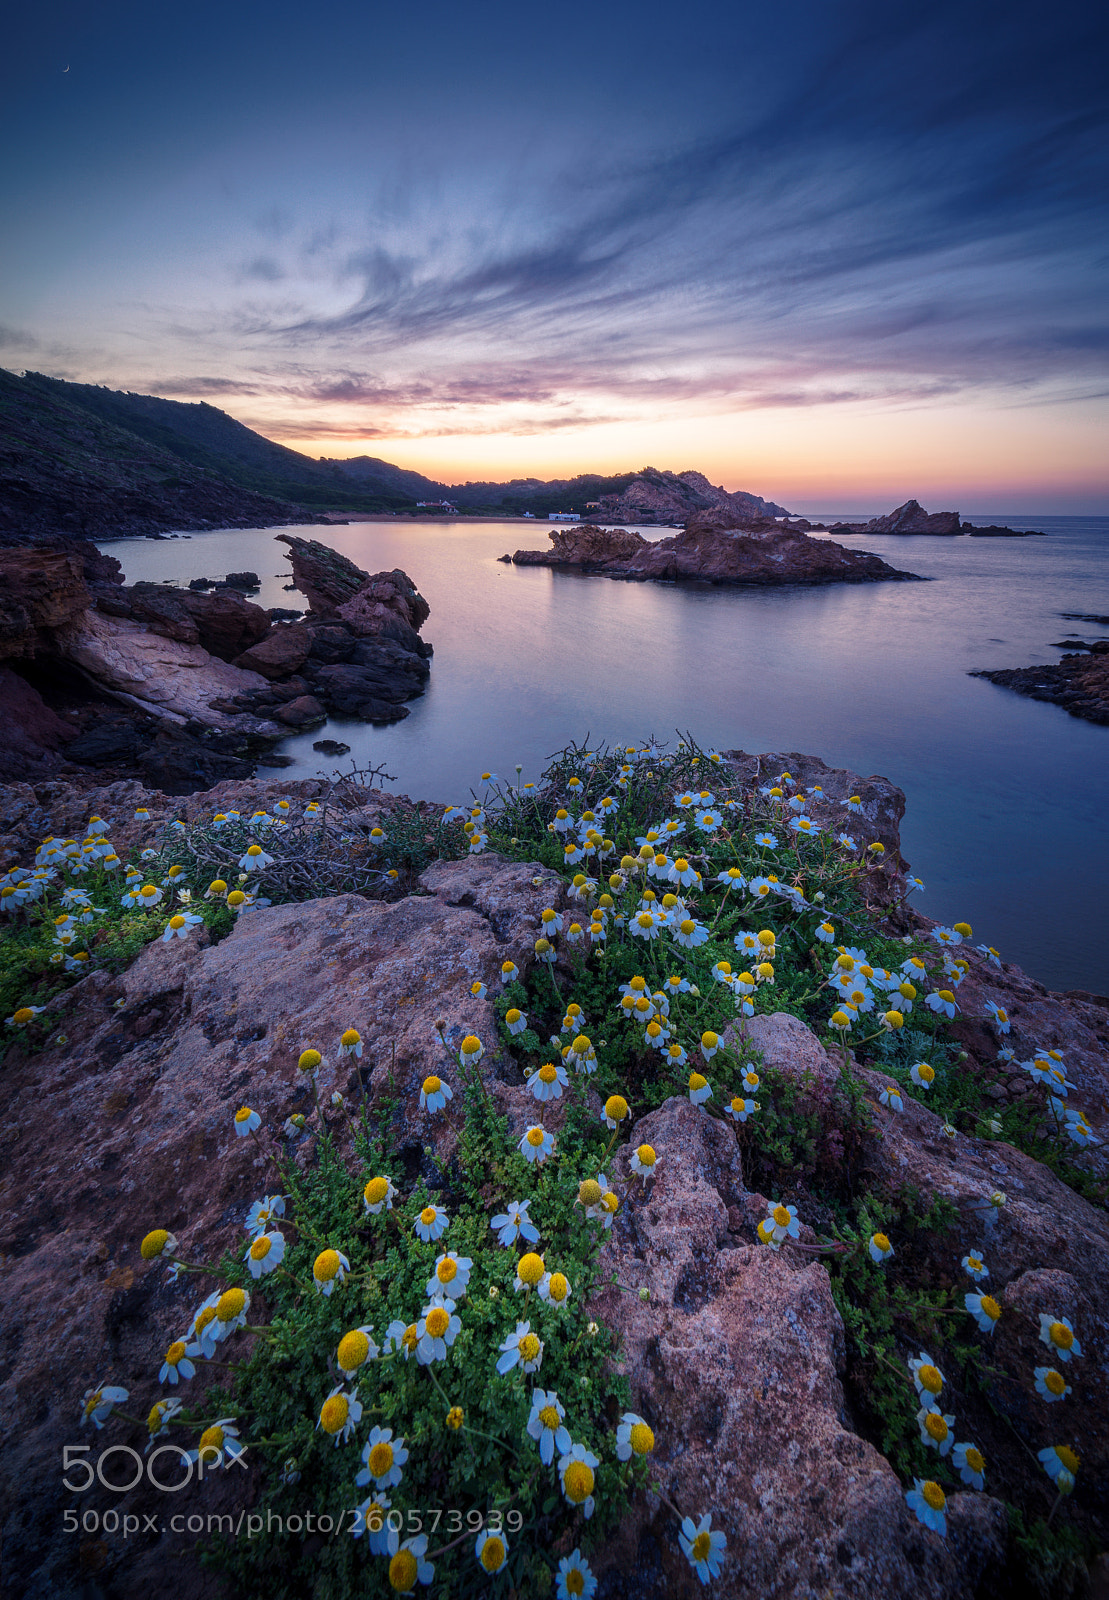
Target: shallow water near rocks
1007, 798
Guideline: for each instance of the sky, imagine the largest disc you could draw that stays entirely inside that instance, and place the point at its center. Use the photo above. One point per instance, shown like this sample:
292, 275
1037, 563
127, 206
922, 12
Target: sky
834, 253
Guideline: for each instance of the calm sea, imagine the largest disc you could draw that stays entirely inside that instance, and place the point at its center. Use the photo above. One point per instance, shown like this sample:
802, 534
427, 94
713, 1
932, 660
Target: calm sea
1007, 820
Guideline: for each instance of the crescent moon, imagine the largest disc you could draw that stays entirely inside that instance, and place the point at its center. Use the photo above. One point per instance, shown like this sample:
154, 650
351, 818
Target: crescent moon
65, 69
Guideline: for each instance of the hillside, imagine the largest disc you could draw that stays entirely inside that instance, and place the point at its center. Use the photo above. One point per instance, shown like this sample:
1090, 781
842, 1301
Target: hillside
78, 458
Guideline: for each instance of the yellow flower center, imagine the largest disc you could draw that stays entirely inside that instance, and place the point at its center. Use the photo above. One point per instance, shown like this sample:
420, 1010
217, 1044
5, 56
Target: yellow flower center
381, 1459
574, 1581
781, 1216
402, 1571
697, 1081
354, 1347
1061, 1336
211, 1441
175, 1352
935, 1427
550, 1418
589, 1192
687, 926
881, 1242
991, 1307
975, 1460
616, 1107
177, 922
548, 1072
558, 1288
309, 1061
641, 1439
333, 1417
236, 898
933, 1495
432, 1085
153, 1245
511, 1016
455, 1417
610, 1203
578, 1482
261, 1248
530, 1269
709, 1040
529, 1347
930, 1378
428, 1216
471, 1044
243, 1114
326, 1265
352, 1036
24, 1014
376, 1191
701, 1547
1068, 1457
1055, 1382
535, 1137
205, 1317
437, 1322
231, 1304
492, 1554
410, 1338
646, 1155
154, 1420
447, 1270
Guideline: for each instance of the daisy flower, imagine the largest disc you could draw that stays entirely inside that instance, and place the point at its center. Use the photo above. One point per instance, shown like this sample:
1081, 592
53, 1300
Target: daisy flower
740, 1109
383, 1458
1060, 1462
177, 1364
633, 1437
974, 1266
431, 1224
703, 1547
434, 1094
340, 1414
451, 1276
935, 1428
266, 1252
880, 1248
549, 1082
546, 1425
554, 1288
575, 1579
984, 1309
536, 1145
329, 1268
491, 1550
355, 1349
378, 1195
643, 1160
1058, 1334
926, 1375
970, 1464
523, 1349
1051, 1385
928, 1501
576, 1472
515, 1224
436, 1331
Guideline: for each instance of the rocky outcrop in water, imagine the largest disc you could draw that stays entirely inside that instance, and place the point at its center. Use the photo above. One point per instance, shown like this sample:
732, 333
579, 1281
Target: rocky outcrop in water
184, 686
912, 518
714, 547
1079, 683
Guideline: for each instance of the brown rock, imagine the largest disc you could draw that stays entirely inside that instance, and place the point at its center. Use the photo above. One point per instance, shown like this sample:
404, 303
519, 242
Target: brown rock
40, 589
714, 547
30, 733
734, 1360
388, 606
321, 573
284, 650
303, 712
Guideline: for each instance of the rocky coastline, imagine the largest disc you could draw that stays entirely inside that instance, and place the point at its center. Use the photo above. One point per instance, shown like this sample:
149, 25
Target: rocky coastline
737, 1354
184, 687
1079, 683
715, 546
